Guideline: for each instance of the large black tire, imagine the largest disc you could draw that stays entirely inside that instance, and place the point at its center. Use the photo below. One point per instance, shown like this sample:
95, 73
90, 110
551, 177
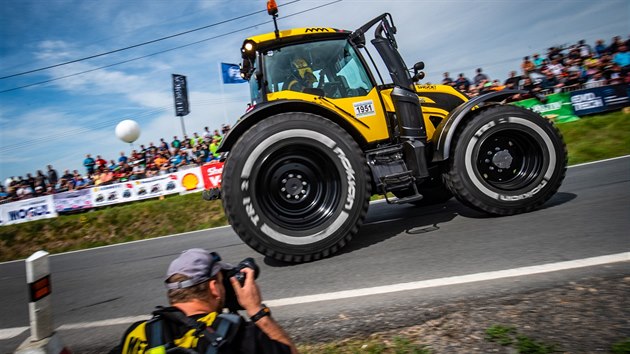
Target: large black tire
296, 187
506, 160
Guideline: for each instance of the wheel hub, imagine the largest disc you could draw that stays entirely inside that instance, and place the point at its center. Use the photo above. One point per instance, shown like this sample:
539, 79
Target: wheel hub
502, 159
294, 186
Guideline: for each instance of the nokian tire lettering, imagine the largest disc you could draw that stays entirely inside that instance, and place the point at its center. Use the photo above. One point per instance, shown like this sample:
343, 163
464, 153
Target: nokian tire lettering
506, 160
296, 187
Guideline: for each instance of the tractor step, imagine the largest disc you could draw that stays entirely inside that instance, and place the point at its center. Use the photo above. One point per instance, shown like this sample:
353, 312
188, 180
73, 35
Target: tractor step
400, 181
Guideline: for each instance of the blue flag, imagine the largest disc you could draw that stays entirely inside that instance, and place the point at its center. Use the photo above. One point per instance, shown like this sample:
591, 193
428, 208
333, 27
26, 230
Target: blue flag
231, 74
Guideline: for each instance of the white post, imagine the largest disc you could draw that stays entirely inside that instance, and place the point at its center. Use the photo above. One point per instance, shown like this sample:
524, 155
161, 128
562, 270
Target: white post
43, 339
39, 307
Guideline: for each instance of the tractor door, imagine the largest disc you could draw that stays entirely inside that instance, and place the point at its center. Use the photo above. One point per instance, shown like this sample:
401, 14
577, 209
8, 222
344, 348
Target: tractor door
332, 74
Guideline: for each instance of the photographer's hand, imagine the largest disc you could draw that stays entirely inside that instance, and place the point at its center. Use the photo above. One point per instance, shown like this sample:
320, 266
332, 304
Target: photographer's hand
248, 295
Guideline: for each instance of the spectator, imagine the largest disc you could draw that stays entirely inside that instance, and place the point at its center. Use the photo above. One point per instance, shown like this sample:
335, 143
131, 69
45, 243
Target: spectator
151, 170
527, 66
584, 49
52, 176
40, 180
196, 139
176, 144
138, 171
538, 61
622, 58
550, 82
207, 136
573, 80
113, 165
214, 155
596, 80
217, 136
160, 160
447, 80
512, 81
555, 67
462, 82
600, 48
477, 80
89, 163
225, 128
182, 160
100, 162
163, 145
122, 159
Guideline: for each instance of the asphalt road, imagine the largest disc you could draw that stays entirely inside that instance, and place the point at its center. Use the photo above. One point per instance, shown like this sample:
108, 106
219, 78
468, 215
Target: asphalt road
96, 291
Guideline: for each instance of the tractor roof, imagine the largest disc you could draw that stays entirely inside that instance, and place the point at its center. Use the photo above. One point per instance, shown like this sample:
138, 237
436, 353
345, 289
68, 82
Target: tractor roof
269, 40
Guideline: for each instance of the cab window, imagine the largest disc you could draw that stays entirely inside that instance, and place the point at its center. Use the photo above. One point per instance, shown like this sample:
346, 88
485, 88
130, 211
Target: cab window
331, 68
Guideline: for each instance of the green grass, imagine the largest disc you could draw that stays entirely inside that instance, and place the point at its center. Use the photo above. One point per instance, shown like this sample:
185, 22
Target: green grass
597, 137
589, 139
508, 336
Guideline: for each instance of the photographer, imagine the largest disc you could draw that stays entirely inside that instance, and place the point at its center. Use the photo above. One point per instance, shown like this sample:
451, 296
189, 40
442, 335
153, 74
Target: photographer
199, 287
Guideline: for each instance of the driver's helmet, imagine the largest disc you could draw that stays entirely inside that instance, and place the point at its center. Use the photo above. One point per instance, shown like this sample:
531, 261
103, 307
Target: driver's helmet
303, 72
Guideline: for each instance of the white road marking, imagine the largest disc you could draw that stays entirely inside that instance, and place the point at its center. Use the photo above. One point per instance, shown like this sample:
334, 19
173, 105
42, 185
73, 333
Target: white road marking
7, 333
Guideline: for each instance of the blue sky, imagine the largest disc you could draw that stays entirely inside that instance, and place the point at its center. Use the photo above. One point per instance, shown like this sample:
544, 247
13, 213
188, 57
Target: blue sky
59, 122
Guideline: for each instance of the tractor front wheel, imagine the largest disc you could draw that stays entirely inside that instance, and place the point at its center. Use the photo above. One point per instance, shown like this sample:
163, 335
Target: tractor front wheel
506, 160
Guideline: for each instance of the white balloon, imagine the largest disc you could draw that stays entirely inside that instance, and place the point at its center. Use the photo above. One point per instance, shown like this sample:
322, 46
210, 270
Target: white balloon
128, 131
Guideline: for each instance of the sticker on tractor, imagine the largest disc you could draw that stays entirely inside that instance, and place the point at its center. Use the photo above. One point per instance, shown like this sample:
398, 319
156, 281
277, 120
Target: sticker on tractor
364, 109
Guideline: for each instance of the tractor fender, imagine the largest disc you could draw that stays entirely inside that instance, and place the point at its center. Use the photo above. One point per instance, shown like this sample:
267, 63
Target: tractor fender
445, 131
271, 108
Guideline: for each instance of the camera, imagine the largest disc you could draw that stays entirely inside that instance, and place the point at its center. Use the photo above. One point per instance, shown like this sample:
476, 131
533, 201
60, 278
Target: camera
231, 303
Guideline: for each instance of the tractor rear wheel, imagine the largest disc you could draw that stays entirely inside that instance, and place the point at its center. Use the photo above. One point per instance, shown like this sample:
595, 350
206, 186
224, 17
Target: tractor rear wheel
296, 187
506, 160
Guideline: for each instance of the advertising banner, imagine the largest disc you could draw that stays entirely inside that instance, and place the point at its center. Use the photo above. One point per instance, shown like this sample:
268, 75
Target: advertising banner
180, 93
113, 194
211, 173
27, 210
73, 200
156, 186
600, 99
558, 107
190, 180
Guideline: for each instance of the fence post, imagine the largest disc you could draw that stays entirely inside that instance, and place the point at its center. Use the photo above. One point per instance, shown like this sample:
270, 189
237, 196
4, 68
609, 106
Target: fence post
43, 338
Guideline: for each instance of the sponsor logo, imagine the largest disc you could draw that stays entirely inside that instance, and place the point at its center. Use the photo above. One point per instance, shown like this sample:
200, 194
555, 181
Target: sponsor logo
586, 101
350, 176
28, 213
541, 108
513, 198
316, 29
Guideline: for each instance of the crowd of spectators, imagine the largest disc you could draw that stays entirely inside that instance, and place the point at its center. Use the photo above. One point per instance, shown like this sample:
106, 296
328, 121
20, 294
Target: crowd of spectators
562, 69
147, 161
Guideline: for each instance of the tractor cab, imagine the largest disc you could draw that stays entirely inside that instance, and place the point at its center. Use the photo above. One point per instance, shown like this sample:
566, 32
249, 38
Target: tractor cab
314, 61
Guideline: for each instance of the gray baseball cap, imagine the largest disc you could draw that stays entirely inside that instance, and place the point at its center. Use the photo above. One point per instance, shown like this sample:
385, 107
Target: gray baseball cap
197, 264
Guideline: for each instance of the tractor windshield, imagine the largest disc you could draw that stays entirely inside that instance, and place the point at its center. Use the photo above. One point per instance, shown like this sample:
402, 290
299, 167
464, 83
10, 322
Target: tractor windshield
331, 67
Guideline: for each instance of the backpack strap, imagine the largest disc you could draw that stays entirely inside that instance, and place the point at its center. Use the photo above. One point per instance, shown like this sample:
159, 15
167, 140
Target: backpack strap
222, 331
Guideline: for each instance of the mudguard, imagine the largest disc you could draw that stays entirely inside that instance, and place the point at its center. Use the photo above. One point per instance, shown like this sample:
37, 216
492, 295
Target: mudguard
445, 131
270, 108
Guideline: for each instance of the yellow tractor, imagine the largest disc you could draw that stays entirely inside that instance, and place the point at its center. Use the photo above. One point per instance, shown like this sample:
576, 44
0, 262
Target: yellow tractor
326, 132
